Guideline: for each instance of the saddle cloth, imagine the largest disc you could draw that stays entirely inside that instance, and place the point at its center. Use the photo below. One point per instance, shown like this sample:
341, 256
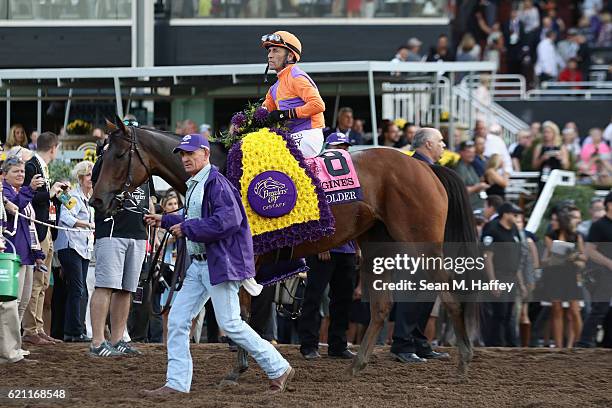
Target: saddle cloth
335, 171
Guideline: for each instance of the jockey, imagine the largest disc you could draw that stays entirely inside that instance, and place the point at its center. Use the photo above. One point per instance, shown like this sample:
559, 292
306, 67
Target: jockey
294, 96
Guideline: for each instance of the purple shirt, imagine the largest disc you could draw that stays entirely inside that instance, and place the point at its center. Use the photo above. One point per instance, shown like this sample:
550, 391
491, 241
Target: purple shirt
224, 229
21, 239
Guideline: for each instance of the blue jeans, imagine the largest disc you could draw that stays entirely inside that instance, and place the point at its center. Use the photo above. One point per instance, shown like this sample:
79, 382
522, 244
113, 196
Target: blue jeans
189, 301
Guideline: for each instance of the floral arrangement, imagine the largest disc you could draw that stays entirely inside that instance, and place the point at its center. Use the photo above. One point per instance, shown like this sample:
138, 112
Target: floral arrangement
273, 149
79, 127
90, 155
251, 119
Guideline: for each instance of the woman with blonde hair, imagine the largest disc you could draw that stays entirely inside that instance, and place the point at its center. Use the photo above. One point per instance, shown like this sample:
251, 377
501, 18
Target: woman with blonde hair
496, 176
74, 249
16, 137
551, 154
23, 153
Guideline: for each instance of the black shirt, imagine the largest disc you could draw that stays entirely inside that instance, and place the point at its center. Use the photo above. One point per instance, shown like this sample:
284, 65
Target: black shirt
506, 248
128, 224
600, 234
518, 151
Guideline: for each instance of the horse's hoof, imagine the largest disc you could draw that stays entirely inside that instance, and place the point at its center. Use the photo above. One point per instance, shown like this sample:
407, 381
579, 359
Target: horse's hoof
226, 383
356, 367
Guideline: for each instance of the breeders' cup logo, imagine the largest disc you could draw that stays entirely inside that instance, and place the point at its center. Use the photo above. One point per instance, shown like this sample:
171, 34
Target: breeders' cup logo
270, 189
272, 194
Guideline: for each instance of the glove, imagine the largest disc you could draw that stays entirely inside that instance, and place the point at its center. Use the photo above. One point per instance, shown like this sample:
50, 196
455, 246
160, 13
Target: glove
277, 116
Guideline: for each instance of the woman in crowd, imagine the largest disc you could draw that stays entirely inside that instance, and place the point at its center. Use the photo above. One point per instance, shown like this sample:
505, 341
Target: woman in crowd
561, 274
593, 149
20, 231
496, 176
16, 137
550, 154
74, 250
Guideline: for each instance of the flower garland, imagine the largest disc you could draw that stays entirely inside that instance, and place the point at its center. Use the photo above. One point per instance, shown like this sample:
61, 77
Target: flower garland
251, 119
273, 149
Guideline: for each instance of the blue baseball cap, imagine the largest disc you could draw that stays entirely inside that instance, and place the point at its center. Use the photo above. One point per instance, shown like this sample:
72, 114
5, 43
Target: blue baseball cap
191, 143
337, 138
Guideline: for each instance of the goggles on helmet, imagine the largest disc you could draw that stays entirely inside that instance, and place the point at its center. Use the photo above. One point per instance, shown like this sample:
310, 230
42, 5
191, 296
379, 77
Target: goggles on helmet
278, 40
274, 38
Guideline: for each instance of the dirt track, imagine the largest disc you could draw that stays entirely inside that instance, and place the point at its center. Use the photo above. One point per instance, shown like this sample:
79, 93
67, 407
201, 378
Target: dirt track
498, 378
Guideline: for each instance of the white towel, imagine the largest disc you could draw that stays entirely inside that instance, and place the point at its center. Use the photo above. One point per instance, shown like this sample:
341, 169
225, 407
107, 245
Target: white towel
251, 286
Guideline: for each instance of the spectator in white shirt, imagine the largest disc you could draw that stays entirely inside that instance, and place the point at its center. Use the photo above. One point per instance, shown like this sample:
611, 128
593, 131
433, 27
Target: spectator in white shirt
549, 61
494, 144
530, 16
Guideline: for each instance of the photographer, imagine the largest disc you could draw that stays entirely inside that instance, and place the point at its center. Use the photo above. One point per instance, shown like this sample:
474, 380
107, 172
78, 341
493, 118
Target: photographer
21, 231
47, 147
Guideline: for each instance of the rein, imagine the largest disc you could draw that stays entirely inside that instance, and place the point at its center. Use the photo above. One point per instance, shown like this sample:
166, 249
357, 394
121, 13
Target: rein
124, 195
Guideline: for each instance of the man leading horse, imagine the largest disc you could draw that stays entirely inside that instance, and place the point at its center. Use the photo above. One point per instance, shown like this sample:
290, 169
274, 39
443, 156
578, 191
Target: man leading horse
221, 249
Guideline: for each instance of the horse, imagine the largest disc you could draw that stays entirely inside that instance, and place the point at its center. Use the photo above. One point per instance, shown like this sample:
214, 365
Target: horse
404, 200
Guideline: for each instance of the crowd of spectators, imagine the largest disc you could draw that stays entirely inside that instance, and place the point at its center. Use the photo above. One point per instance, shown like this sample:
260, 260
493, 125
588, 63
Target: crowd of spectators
310, 8
540, 40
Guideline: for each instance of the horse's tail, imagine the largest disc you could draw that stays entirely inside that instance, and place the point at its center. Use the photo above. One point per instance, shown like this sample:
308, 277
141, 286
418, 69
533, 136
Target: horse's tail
460, 232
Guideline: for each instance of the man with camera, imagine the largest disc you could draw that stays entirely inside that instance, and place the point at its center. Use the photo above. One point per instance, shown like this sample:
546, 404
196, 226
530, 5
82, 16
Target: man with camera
44, 203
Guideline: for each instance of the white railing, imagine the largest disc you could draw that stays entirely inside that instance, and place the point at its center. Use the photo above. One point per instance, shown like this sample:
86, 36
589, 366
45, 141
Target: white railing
522, 183
576, 84
422, 103
416, 102
500, 85
468, 109
598, 72
555, 178
569, 93
506, 86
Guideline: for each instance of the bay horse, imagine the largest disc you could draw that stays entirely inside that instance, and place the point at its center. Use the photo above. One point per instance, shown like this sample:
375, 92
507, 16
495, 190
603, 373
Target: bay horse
404, 200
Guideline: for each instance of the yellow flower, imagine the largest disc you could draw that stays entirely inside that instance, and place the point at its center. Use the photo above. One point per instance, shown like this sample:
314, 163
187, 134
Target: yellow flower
265, 151
449, 158
400, 122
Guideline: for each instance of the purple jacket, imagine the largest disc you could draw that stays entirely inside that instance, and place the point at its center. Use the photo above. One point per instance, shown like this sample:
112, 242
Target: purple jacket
224, 229
21, 239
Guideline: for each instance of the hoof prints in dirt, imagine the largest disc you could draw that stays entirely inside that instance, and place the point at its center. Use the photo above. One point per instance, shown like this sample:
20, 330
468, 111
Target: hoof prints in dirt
497, 377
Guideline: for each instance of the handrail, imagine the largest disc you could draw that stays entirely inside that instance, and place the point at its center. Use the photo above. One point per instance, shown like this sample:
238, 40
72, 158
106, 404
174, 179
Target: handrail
558, 84
587, 93
555, 178
500, 83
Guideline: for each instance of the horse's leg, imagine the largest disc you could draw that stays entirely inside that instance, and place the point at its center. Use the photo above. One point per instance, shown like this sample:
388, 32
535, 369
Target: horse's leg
458, 312
242, 361
380, 306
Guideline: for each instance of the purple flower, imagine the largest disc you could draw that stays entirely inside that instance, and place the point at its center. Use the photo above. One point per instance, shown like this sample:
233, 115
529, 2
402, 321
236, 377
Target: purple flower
261, 114
238, 120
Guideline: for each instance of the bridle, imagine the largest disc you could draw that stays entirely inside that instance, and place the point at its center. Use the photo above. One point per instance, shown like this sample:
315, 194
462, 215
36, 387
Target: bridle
124, 195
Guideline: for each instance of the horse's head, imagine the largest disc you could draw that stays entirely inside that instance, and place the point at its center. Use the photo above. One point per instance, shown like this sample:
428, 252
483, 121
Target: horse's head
123, 167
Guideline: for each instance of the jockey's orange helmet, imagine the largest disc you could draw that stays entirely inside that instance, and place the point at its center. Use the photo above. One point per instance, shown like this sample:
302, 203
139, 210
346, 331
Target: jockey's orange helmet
283, 39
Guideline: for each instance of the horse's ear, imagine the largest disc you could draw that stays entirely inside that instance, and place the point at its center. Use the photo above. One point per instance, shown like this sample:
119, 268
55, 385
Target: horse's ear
110, 126
120, 125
